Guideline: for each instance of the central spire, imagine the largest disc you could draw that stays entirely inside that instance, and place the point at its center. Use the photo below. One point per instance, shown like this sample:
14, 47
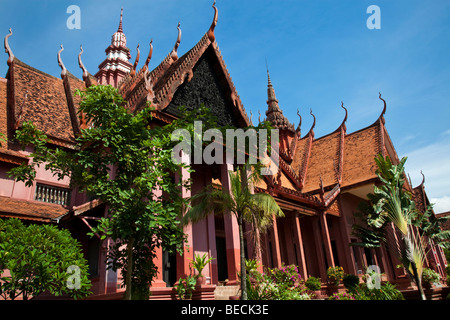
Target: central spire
116, 65
274, 113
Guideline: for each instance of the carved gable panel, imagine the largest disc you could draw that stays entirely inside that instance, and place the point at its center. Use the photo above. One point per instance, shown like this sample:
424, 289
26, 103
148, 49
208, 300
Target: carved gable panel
205, 87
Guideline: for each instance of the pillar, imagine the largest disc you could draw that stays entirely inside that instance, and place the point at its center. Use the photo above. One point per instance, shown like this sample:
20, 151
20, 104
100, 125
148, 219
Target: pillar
326, 238
319, 249
299, 241
183, 262
276, 254
231, 231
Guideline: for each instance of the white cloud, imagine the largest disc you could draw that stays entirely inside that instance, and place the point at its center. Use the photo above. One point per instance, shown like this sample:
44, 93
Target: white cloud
434, 161
441, 204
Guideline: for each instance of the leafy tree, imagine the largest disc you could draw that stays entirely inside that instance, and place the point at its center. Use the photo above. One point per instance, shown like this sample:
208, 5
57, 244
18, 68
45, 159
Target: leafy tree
127, 164
391, 205
240, 202
40, 258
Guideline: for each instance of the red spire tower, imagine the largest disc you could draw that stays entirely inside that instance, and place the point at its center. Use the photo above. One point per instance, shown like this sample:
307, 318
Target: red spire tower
116, 65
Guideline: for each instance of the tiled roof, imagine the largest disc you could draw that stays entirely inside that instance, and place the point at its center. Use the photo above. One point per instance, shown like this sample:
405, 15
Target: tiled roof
30, 210
41, 98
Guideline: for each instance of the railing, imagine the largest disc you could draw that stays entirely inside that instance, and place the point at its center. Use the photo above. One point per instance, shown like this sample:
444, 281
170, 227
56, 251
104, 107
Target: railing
50, 194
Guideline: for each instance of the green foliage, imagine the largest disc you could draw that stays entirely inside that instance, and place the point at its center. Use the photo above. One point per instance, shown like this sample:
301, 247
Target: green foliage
335, 274
387, 291
341, 296
282, 283
38, 258
313, 283
350, 281
185, 287
128, 165
430, 276
200, 262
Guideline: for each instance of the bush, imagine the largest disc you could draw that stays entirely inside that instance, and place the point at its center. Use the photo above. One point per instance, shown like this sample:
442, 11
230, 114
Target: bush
40, 258
335, 274
387, 291
350, 281
313, 283
284, 283
430, 276
185, 287
341, 296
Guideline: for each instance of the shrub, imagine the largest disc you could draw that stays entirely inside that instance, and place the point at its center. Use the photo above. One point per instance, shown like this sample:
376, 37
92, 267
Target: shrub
40, 258
286, 275
387, 291
335, 274
430, 276
185, 287
313, 283
350, 281
341, 296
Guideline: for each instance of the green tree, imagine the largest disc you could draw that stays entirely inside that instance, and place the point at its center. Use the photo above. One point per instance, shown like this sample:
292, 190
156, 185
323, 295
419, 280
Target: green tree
127, 164
391, 205
259, 208
40, 258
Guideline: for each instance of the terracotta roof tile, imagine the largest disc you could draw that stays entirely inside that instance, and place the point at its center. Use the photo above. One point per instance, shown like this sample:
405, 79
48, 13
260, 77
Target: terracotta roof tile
46, 104
30, 209
323, 162
360, 150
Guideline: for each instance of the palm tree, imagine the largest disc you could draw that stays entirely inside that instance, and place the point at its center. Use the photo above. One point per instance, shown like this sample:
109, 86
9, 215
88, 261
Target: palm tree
394, 204
257, 209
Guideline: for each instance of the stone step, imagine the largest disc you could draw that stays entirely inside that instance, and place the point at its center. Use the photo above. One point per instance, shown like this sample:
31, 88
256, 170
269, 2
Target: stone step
224, 292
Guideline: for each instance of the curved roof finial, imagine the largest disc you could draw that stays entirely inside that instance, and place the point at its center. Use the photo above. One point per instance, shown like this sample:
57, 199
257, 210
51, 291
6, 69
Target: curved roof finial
80, 63
346, 115
138, 54
174, 54
211, 35
8, 49
120, 29
300, 121
314, 123
384, 108
423, 179
61, 64
150, 54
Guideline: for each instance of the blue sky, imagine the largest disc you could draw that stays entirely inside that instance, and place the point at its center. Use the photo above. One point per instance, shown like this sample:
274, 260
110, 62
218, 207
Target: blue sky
319, 54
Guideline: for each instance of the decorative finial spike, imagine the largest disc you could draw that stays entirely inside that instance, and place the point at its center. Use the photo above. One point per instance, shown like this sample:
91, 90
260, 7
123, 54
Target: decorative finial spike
8, 49
120, 29
80, 63
384, 102
150, 54
423, 178
300, 121
174, 54
211, 35
346, 113
61, 64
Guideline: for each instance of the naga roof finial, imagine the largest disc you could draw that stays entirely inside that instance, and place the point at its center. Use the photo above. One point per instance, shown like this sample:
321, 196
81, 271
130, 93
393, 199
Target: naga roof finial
384, 108
346, 115
300, 121
8, 49
133, 70
150, 53
211, 35
423, 178
80, 63
174, 54
61, 64
314, 123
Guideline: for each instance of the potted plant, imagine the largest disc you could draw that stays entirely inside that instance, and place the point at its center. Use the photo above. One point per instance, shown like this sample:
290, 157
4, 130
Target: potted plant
199, 263
185, 287
429, 277
334, 276
314, 284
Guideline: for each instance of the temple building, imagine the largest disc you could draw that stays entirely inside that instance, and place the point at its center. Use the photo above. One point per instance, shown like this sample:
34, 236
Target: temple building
319, 185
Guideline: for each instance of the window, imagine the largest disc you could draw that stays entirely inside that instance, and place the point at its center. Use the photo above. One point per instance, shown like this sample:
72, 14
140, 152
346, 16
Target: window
50, 194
